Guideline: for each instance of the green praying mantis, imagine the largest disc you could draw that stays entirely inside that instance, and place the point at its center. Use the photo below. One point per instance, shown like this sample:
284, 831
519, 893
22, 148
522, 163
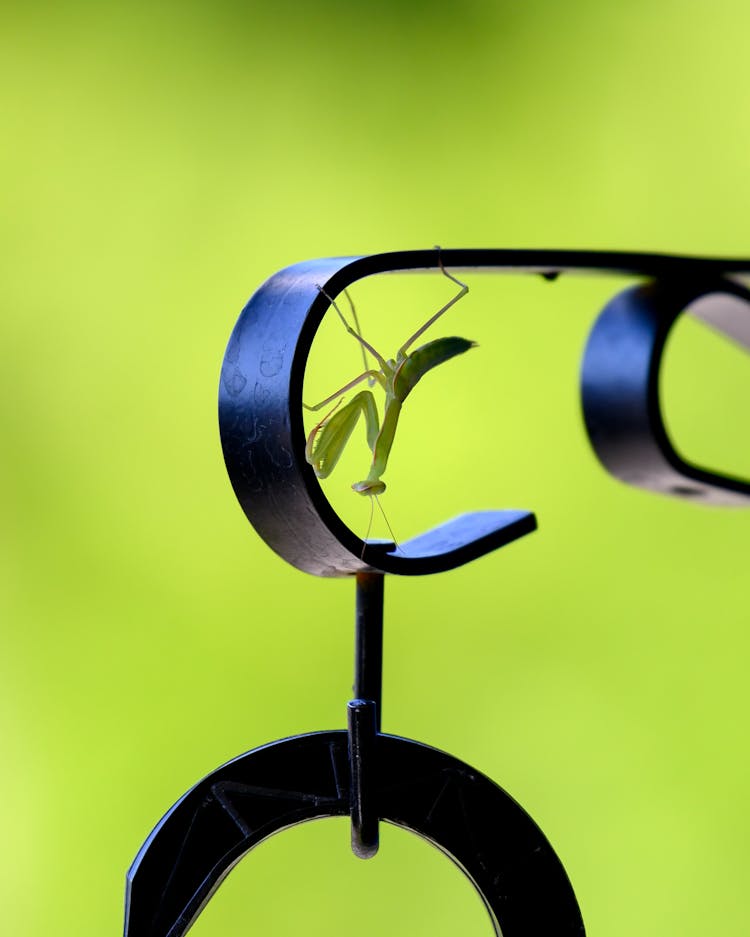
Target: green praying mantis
397, 377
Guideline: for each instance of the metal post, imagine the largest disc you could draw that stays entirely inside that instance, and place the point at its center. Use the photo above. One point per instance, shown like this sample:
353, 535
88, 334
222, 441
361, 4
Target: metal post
368, 648
363, 714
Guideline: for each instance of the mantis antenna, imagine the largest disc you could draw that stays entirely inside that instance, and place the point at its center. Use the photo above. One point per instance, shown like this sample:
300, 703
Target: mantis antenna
369, 526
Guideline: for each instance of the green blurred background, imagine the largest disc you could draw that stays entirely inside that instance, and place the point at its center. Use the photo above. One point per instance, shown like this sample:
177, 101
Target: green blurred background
159, 162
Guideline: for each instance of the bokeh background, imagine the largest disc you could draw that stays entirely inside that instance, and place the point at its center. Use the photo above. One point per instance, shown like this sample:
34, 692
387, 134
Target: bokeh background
159, 161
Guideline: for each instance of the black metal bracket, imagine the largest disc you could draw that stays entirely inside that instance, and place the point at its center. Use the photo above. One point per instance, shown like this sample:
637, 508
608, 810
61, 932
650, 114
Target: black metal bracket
260, 405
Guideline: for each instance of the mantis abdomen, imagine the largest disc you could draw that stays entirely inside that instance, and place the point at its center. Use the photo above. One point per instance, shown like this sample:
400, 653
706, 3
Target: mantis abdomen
424, 359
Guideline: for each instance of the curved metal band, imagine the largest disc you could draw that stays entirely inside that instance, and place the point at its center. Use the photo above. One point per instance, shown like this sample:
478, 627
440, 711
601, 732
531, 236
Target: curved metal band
620, 385
462, 812
260, 407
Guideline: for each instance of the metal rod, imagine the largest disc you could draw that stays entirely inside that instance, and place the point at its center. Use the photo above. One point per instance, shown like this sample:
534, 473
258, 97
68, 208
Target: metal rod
368, 654
362, 753
363, 714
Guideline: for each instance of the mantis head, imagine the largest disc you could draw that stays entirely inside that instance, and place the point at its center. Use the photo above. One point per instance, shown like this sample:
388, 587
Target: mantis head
369, 487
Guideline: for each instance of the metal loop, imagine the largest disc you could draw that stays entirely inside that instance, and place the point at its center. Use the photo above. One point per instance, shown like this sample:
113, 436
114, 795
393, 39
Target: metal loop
473, 821
262, 434
620, 385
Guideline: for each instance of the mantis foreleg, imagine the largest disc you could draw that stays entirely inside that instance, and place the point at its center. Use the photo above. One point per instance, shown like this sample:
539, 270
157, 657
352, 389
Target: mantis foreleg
373, 375
381, 450
334, 431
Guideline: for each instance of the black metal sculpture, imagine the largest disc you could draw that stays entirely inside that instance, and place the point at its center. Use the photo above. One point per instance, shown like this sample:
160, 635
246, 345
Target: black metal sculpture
362, 772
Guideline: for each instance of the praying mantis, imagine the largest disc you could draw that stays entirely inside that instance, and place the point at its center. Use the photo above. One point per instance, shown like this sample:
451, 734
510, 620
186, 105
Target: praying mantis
397, 377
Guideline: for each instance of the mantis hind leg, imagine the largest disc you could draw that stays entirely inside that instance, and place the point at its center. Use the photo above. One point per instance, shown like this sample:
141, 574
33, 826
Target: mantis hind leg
358, 329
464, 289
329, 438
366, 346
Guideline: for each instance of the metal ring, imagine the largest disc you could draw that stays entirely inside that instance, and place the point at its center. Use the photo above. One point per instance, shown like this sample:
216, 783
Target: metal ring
473, 821
620, 385
262, 434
